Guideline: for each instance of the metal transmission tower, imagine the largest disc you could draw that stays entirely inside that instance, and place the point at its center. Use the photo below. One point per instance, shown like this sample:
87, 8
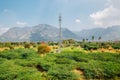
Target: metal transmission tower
60, 33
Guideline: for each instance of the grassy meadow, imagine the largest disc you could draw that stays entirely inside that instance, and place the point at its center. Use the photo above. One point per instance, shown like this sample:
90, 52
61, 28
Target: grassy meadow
77, 61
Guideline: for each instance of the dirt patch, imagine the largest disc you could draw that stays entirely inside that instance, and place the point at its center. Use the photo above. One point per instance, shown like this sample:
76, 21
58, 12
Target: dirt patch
80, 73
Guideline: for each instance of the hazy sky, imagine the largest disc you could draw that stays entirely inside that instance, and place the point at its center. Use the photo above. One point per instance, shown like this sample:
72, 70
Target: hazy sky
76, 14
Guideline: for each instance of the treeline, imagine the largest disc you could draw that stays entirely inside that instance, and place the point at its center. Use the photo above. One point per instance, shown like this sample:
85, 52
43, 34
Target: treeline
66, 43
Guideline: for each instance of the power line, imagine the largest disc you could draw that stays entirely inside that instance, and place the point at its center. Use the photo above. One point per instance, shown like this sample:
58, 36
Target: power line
60, 33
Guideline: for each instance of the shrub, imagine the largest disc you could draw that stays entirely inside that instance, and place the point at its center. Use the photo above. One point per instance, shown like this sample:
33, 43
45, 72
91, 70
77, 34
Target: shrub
59, 73
43, 48
7, 44
34, 45
90, 46
27, 45
11, 47
63, 61
116, 46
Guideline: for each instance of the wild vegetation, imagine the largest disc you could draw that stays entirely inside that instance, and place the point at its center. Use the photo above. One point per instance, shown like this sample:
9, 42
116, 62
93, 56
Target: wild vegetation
77, 61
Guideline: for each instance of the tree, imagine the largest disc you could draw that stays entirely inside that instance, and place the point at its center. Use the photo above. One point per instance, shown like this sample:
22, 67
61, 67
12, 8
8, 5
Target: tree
65, 43
43, 49
99, 38
87, 39
27, 45
83, 40
93, 38
7, 44
11, 47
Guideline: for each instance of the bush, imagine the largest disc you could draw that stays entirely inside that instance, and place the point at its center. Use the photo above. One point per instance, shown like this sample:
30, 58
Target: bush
116, 46
43, 48
60, 73
90, 46
25, 64
11, 47
27, 45
63, 61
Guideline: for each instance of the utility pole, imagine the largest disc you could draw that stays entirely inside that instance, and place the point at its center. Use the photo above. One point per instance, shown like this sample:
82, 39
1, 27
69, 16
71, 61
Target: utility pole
60, 33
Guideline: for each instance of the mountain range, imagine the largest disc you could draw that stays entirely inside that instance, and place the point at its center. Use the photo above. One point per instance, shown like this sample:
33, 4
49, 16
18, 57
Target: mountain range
41, 32
3, 30
45, 32
106, 34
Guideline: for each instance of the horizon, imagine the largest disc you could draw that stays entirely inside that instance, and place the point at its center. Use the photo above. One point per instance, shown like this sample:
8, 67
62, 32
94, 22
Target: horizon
76, 15
4, 30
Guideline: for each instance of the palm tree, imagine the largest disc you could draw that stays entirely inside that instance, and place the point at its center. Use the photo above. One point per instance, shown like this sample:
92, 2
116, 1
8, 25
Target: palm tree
93, 38
83, 40
99, 38
87, 39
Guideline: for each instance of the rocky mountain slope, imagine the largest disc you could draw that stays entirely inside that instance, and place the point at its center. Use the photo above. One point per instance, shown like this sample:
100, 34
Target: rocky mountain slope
41, 32
110, 33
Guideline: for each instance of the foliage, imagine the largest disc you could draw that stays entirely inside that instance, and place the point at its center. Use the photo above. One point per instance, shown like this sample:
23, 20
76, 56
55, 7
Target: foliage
26, 64
61, 74
116, 46
43, 48
90, 46
27, 45
11, 47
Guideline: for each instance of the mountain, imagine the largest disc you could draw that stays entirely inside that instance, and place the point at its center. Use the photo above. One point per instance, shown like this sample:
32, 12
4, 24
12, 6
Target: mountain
44, 32
3, 30
41, 32
110, 33
16, 34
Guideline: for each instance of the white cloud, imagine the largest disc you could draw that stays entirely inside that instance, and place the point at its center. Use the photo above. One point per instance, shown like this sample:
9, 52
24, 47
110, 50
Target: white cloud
115, 3
21, 24
108, 16
77, 21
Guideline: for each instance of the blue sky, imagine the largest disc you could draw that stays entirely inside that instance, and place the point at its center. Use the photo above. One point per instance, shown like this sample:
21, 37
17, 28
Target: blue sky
76, 14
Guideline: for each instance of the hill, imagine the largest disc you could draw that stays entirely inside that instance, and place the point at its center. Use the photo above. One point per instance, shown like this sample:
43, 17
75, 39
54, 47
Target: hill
45, 32
3, 30
110, 33
41, 32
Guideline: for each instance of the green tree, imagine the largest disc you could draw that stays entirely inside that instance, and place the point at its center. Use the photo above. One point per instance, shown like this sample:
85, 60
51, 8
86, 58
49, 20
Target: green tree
27, 45
99, 38
87, 39
11, 47
93, 38
83, 40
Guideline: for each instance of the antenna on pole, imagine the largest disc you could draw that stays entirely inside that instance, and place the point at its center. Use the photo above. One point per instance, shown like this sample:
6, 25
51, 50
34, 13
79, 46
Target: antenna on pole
60, 33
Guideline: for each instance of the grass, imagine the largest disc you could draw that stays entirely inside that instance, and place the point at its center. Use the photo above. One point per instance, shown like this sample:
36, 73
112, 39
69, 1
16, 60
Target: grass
71, 64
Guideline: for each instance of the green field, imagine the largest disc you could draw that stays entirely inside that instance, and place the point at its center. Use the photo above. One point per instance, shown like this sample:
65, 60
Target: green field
73, 63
